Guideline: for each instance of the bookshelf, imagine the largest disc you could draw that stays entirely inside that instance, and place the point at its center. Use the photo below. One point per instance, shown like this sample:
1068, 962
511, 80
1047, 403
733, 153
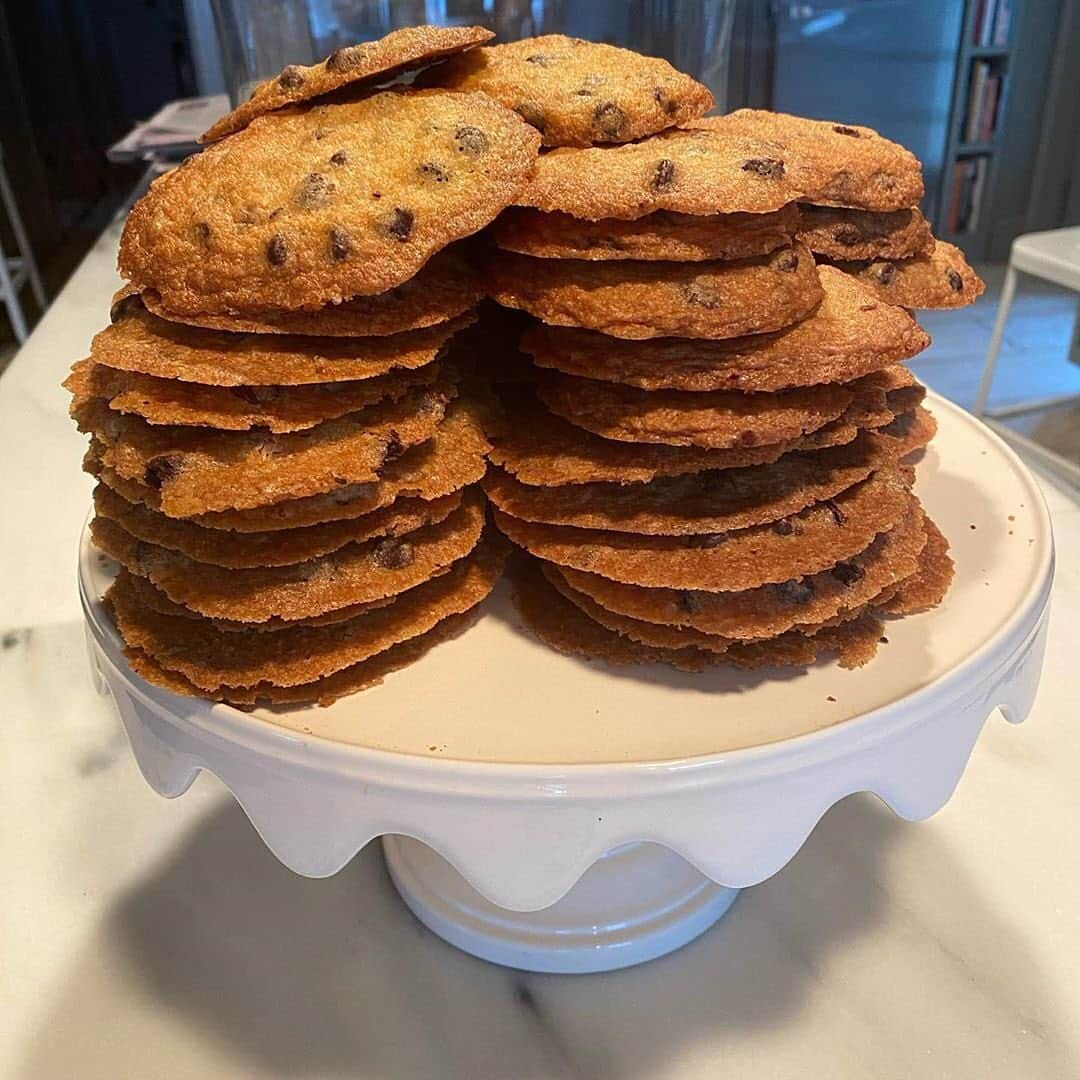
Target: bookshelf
976, 119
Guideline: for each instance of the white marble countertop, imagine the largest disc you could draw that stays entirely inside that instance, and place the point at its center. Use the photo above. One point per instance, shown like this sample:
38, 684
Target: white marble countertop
150, 939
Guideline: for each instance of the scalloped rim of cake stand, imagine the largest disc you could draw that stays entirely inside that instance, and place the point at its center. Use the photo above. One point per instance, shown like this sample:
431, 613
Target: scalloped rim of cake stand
554, 821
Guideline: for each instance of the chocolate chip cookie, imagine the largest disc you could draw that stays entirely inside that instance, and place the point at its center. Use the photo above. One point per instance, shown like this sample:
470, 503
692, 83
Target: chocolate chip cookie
660, 299
368, 62
577, 93
305, 208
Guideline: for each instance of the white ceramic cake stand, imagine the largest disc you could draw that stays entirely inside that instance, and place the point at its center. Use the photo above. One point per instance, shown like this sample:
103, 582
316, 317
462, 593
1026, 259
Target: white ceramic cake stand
554, 815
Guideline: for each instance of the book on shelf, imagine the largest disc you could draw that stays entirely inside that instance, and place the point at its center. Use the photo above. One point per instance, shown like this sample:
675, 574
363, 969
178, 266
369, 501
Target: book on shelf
988, 110
984, 91
990, 27
966, 194
1002, 19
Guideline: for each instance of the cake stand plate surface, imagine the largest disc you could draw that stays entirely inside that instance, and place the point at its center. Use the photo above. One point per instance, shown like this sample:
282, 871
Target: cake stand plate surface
555, 815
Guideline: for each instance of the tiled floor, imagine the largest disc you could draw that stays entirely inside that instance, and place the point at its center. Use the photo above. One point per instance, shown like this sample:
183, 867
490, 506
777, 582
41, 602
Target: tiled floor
1034, 361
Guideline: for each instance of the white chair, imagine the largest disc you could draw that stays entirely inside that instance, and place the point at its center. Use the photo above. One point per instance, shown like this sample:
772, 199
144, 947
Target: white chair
17, 270
1053, 256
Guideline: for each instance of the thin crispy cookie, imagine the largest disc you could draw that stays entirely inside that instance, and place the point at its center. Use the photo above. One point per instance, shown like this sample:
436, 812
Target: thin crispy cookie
350, 680
664, 235
927, 586
646, 300
442, 289
702, 505
450, 460
680, 637
195, 470
542, 449
831, 164
849, 334
863, 234
942, 279
368, 62
305, 208
356, 574
566, 628
577, 92
211, 659
272, 408
716, 419
280, 548
143, 344
767, 610
820, 537
909, 432
149, 595
689, 172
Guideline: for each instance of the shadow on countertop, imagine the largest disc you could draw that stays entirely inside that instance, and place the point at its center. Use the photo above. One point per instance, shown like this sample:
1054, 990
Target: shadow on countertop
222, 962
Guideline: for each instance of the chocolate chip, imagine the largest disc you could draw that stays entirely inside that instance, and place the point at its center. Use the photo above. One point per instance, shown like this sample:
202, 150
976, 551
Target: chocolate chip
700, 294
339, 157
841, 186
773, 168
847, 573
747, 438
531, 113
663, 175
688, 602
393, 554
340, 243
277, 251
394, 447
884, 272
432, 170
347, 58
956, 282
470, 140
843, 129
838, 515
257, 395
609, 119
202, 232
431, 401
315, 190
786, 261
847, 234
399, 224
899, 426
708, 540
125, 307
666, 102
783, 528
540, 60
794, 592
160, 469
291, 77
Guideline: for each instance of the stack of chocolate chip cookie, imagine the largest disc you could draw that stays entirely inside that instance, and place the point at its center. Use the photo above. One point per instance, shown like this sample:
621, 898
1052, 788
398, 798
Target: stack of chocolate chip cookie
711, 463
288, 459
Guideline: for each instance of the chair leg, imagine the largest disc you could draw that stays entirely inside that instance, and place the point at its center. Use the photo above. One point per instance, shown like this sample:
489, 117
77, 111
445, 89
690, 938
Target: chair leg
1074, 348
11, 300
7, 196
1007, 293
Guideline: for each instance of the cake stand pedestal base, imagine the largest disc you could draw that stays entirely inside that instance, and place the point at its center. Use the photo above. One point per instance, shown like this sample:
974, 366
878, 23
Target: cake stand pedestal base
638, 902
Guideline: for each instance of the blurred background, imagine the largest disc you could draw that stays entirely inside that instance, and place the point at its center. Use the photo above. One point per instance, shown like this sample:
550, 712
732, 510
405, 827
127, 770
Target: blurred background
986, 92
